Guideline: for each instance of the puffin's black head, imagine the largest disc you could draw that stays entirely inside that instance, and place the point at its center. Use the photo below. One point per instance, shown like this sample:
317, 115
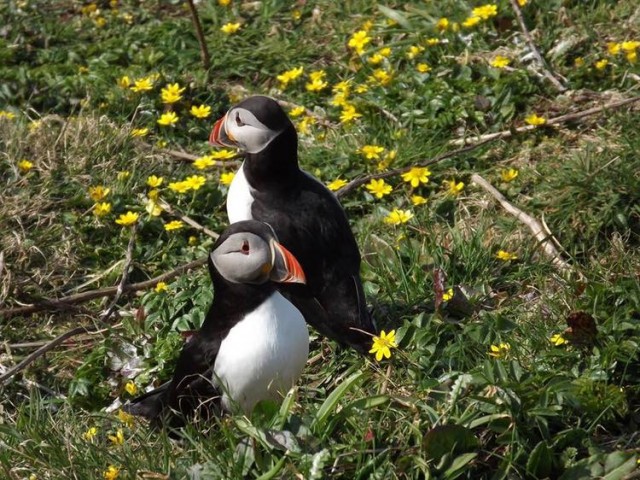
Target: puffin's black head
251, 125
249, 252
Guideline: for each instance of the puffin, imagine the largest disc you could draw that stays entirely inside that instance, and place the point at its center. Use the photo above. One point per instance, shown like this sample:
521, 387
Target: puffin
253, 344
306, 216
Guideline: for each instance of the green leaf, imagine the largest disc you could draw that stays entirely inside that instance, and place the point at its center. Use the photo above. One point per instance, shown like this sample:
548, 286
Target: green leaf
619, 464
445, 439
329, 405
395, 15
540, 461
458, 464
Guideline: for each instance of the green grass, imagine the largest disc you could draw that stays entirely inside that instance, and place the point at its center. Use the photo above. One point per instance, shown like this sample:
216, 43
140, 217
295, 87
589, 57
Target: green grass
442, 406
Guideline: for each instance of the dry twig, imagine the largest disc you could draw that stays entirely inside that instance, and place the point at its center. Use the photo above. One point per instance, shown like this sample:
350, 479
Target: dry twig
545, 240
204, 52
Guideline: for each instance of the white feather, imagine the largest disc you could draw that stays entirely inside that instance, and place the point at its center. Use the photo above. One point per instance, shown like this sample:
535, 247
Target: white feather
239, 198
263, 355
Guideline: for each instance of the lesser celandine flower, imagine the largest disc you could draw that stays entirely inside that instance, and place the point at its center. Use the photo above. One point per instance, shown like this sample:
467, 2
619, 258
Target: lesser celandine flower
613, 48
224, 3
508, 174
204, 162
358, 41
397, 217
378, 188
380, 76
173, 225
179, 187
111, 473
337, 184
195, 181
349, 113
7, 115
230, 28
442, 24
101, 209
127, 219
383, 344
117, 438
505, 256
522, 3
142, 85
416, 176
90, 434
289, 76
168, 119
414, 50
535, 120
453, 187
499, 351
152, 206
193, 240
154, 181
223, 154
24, 166
98, 192
200, 111
317, 81
557, 340
601, 64
139, 132
485, 11
448, 295
371, 152
500, 62
123, 416
161, 287
123, 174
432, 41
124, 82
423, 68
297, 111
227, 178
418, 200
471, 22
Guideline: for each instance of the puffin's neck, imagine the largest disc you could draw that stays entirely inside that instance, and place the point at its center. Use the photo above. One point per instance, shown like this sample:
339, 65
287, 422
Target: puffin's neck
275, 166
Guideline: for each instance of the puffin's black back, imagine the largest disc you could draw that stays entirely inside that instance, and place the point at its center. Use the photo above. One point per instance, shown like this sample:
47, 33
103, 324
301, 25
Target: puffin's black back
311, 223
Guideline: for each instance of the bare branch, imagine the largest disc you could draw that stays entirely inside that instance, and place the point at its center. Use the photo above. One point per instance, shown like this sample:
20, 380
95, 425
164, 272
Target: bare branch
204, 51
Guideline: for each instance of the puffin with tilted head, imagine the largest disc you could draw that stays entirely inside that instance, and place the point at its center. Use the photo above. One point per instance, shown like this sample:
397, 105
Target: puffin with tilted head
306, 216
253, 344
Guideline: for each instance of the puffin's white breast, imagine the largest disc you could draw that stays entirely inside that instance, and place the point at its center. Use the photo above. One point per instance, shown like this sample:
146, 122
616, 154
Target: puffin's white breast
263, 355
239, 198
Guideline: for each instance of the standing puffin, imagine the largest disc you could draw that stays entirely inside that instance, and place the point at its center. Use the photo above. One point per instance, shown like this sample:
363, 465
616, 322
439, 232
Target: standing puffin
306, 216
253, 343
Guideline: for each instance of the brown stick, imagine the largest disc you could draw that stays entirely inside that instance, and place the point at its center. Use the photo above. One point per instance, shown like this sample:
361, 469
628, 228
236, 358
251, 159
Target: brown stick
44, 349
204, 51
103, 292
233, 162
569, 117
546, 71
536, 227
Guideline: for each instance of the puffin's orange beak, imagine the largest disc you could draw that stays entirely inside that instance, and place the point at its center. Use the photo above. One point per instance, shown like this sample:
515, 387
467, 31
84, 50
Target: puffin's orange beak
219, 136
286, 268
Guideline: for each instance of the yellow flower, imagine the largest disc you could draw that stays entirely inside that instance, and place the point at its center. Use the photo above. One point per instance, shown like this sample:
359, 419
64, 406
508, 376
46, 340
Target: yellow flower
153, 194
448, 295
161, 287
83, 69
397, 216
414, 51
522, 3
111, 473
100, 22
230, 28
195, 181
471, 22
632, 57
630, 46
371, 151
201, 111
193, 240
349, 113
383, 344
386, 161
535, 120
154, 182
304, 125
123, 175
101, 209
557, 340
168, 119
432, 41
118, 438
139, 132
142, 85
362, 88
499, 351
379, 188
171, 93
385, 52
227, 178
90, 434
123, 416
296, 15
508, 174
442, 24
416, 176
485, 11
127, 219
602, 64
418, 200
613, 48
578, 62
152, 206
179, 187
24, 166
505, 256
98, 192
453, 188
203, 162
381, 76
500, 62
317, 82
375, 59
289, 76
9, 116
358, 41
337, 184
423, 68
173, 225
224, 3
297, 111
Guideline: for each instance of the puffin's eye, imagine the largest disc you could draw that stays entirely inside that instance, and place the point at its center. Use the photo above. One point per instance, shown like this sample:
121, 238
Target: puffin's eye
245, 248
239, 122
